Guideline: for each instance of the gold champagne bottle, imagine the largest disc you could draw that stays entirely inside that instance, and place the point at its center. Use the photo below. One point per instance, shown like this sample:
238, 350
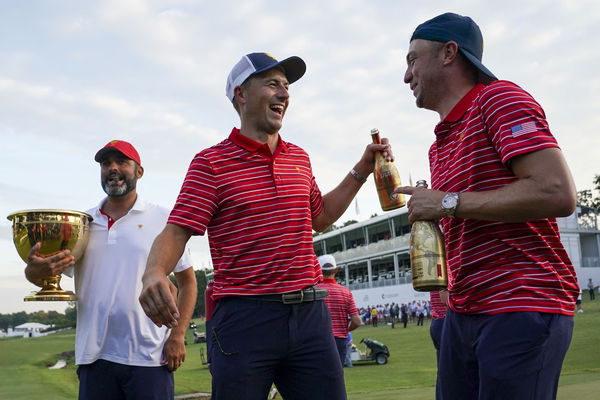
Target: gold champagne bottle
386, 179
427, 255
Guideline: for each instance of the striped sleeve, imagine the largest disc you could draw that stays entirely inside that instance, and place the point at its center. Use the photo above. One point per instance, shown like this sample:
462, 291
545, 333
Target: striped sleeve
198, 199
316, 199
438, 309
515, 121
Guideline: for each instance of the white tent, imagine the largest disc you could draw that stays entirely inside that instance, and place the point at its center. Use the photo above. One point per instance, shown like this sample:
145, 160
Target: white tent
31, 326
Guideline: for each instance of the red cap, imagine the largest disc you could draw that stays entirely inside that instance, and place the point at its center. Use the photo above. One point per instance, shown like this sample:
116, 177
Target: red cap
122, 147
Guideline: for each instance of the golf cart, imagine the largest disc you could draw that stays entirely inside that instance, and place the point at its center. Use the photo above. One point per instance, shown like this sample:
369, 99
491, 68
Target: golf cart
374, 351
199, 337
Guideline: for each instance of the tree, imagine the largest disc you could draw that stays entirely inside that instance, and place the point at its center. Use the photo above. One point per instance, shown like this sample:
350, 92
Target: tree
590, 197
330, 228
58, 320
201, 285
71, 314
589, 200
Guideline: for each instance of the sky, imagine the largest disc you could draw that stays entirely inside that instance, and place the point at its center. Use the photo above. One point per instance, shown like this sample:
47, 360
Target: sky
77, 74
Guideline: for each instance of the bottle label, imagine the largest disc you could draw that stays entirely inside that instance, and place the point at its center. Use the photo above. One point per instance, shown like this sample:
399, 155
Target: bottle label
428, 265
386, 180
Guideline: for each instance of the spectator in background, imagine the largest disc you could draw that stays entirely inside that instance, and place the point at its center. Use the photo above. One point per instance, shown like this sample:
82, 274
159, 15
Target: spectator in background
348, 354
344, 314
396, 312
404, 314
412, 308
386, 313
420, 313
591, 289
374, 316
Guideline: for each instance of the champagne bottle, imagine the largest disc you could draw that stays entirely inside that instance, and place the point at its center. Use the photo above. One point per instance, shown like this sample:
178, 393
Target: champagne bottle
386, 179
427, 255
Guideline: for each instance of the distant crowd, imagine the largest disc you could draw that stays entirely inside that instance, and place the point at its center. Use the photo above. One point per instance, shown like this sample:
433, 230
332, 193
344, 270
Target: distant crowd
392, 313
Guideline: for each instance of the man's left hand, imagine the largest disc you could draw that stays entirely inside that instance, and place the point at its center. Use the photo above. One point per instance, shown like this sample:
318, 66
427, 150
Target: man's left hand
174, 351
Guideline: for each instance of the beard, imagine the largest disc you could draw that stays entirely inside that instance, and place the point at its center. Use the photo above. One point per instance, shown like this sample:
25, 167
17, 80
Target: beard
113, 190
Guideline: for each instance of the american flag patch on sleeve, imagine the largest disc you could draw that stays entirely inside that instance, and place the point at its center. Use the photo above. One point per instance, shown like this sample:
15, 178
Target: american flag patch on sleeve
524, 128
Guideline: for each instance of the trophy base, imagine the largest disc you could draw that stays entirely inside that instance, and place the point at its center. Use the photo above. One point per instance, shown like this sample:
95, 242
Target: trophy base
51, 295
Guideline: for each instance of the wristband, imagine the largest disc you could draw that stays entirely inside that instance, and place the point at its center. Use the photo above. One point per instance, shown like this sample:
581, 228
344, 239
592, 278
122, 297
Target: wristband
357, 176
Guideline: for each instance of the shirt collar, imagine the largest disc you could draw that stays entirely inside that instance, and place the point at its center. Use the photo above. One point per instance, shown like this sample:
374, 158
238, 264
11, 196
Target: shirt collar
139, 206
461, 107
253, 146
329, 280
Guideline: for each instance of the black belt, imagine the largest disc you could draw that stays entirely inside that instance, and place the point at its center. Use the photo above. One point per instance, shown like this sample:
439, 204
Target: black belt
307, 294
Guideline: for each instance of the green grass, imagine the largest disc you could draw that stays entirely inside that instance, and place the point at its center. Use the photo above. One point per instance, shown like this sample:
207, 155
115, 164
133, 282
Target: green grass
409, 374
24, 373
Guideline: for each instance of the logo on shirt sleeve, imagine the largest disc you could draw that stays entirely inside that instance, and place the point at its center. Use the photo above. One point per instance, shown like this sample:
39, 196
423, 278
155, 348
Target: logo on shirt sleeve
523, 129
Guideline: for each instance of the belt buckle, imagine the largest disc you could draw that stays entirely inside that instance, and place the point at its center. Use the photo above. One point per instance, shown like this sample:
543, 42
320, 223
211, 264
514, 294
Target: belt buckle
292, 301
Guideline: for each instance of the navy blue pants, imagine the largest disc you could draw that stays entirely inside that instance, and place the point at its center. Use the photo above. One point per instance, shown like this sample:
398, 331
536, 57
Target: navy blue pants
106, 380
256, 343
516, 356
341, 348
435, 330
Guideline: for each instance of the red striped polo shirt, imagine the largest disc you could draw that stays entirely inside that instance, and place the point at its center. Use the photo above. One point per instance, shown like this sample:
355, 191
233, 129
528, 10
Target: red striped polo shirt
340, 304
498, 267
438, 309
257, 208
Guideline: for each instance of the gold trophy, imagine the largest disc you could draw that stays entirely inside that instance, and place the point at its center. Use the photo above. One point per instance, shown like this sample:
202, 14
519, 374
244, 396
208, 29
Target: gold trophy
57, 230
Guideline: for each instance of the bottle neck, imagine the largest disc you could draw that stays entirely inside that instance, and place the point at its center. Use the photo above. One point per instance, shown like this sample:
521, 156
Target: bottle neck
375, 137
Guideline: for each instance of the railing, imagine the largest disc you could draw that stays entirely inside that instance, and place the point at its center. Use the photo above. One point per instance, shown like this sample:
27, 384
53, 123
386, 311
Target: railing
367, 251
359, 285
590, 262
382, 282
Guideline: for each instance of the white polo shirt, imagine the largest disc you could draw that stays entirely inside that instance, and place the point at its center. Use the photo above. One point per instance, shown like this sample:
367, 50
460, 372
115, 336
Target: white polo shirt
111, 324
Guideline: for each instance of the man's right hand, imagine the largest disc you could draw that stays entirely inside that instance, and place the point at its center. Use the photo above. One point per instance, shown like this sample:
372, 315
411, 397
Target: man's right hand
158, 299
40, 267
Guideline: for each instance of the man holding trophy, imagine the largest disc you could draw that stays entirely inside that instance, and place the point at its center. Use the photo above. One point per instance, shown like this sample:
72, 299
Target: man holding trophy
120, 352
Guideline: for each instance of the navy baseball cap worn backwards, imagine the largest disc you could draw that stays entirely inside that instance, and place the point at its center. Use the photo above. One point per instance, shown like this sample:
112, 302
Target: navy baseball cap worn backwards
460, 29
255, 63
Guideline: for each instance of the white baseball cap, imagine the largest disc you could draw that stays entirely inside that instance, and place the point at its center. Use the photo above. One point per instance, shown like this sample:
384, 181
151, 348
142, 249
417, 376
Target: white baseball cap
327, 262
255, 63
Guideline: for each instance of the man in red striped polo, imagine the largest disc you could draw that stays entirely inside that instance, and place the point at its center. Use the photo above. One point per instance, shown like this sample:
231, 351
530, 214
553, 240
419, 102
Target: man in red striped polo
438, 301
499, 180
257, 198
344, 314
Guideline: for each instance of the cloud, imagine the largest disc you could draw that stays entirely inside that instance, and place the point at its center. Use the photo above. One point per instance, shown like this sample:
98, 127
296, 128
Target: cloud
153, 72
116, 107
33, 92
